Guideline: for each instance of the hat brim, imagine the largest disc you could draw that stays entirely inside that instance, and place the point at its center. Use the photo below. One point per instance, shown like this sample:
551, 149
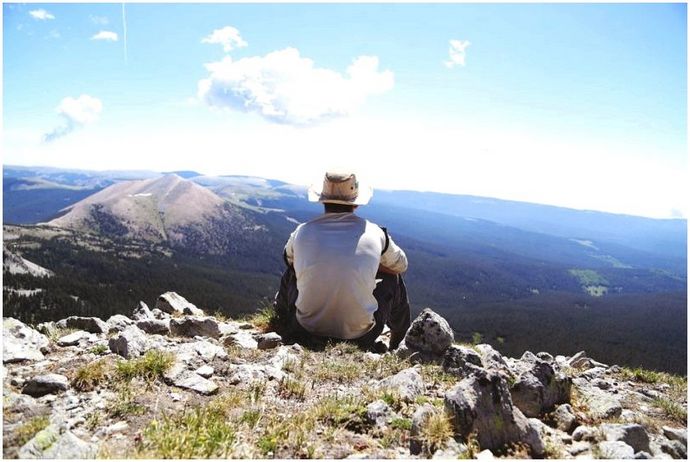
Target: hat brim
315, 194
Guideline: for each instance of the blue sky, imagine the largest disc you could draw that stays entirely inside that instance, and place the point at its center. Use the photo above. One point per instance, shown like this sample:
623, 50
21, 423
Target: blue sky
578, 105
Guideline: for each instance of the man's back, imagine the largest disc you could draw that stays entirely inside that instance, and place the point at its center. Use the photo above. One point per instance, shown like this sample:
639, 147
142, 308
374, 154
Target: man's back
336, 257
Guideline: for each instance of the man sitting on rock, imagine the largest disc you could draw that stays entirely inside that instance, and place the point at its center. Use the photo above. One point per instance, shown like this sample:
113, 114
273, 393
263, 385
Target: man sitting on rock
343, 278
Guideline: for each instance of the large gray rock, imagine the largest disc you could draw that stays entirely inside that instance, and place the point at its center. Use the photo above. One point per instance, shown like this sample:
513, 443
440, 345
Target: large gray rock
192, 326
676, 434
634, 435
241, 339
408, 384
419, 419
129, 343
614, 450
564, 418
461, 361
89, 324
378, 413
539, 389
45, 384
602, 405
74, 338
142, 312
154, 326
24, 405
118, 322
430, 333
49, 443
180, 377
173, 303
481, 403
492, 359
21, 343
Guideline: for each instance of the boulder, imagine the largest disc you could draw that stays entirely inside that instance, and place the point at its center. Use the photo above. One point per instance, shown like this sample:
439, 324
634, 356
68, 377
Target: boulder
49, 443
430, 333
118, 322
676, 434
154, 326
142, 312
173, 303
492, 359
408, 384
539, 389
481, 403
89, 324
268, 341
378, 413
192, 326
21, 343
74, 338
585, 433
461, 361
45, 384
241, 339
129, 343
419, 419
602, 405
634, 435
564, 418
614, 450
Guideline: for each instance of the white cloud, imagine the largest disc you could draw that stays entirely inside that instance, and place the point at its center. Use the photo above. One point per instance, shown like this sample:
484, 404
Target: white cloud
105, 35
228, 36
456, 53
76, 112
41, 14
287, 88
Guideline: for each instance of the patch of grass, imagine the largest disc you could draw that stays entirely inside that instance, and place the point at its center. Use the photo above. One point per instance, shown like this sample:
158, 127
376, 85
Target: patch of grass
673, 411
30, 428
401, 423
341, 371
202, 432
264, 319
473, 447
59, 332
436, 431
256, 390
148, 367
99, 349
292, 388
251, 417
340, 411
385, 366
125, 403
90, 376
93, 420
434, 374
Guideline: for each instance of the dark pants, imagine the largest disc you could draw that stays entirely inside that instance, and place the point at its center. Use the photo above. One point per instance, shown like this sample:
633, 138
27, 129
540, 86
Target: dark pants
393, 310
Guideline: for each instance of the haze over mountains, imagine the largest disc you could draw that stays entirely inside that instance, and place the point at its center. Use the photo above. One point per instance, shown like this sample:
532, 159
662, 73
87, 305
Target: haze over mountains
524, 275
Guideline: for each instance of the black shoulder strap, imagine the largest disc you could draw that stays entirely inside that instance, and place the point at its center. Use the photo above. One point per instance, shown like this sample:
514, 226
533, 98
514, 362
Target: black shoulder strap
388, 239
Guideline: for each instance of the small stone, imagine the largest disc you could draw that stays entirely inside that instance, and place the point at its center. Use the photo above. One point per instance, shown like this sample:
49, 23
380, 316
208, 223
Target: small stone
486, 454
269, 341
45, 384
242, 339
408, 383
615, 450
175, 396
579, 447
129, 343
191, 326
192, 381
205, 371
643, 455
117, 428
544, 356
585, 433
378, 412
73, 339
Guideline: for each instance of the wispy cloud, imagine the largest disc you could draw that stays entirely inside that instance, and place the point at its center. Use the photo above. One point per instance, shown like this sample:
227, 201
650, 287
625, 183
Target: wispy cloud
99, 20
41, 15
228, 36
284, 87
456, 53
105, 35
76, 113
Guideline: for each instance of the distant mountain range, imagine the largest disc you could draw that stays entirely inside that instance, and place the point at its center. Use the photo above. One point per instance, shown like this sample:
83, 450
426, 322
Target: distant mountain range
491, 266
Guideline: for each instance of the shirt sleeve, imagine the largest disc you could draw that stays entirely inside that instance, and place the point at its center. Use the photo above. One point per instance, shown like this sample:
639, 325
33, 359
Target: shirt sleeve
289, 248
394, 258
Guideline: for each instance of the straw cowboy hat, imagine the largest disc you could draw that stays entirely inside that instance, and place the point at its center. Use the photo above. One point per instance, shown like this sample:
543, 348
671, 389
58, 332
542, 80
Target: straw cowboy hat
340, 188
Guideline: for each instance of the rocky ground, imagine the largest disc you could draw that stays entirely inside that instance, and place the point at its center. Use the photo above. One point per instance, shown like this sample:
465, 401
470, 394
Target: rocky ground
174, 383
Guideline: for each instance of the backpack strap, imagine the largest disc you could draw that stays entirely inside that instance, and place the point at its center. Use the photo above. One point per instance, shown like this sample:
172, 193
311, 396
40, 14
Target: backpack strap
388, 239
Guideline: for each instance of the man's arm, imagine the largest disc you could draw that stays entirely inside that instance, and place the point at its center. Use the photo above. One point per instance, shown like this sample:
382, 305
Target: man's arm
289, 251
393, 260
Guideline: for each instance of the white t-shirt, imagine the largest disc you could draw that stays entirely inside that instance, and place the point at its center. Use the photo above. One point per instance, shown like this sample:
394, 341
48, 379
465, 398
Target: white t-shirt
336, 257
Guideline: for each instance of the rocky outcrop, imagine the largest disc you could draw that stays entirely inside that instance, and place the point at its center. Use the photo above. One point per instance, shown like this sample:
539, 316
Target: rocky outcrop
444, 401
175, 304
